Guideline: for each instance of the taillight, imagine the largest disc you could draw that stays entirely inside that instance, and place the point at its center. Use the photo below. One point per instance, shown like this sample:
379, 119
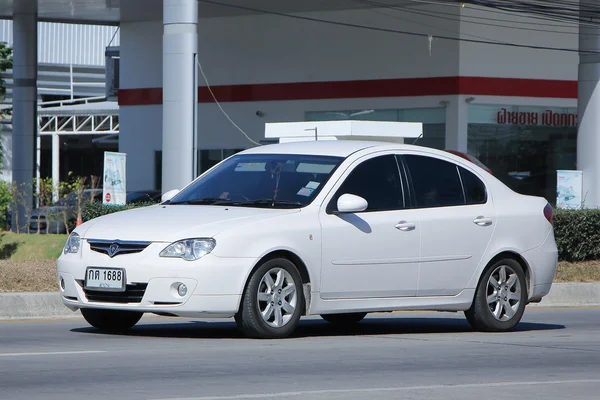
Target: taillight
548, 212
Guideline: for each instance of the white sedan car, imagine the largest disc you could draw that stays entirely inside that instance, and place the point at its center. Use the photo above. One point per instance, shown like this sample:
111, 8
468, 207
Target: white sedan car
332, 228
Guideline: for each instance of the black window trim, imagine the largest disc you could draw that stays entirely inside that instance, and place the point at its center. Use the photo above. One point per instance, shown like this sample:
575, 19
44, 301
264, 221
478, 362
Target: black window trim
462, 184
485, 187
412, 188
331, 208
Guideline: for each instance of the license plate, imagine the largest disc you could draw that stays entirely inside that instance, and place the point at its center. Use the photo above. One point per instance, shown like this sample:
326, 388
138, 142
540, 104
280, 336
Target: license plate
109, 279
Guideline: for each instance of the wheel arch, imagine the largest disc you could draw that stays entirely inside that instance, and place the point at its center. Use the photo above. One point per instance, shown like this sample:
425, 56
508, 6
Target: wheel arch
298, 263
518, 258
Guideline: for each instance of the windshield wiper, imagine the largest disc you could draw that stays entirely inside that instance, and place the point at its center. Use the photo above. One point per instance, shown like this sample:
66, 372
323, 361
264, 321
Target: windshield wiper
271, 203
205, 201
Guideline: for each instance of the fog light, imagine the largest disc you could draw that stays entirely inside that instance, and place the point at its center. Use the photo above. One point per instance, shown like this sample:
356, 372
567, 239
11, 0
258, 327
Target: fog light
182, 289
62, 283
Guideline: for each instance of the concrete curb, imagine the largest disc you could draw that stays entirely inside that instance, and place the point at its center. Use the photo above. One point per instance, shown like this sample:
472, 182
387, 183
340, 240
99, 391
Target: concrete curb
49, 305
33, 305
572, 295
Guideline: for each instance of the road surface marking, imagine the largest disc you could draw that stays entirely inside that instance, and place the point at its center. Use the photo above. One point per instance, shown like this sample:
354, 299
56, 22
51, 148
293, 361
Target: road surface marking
51, 353
387, 389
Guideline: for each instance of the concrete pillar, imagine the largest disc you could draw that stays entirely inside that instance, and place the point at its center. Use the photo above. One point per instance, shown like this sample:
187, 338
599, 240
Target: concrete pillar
588, 135
457, 122
24, 94
180, 104
55, 166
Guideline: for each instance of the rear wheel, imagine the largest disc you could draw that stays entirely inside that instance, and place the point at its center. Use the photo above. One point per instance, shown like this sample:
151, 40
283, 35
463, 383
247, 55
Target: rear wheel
111, 320
347, 319
500, 298
272, 302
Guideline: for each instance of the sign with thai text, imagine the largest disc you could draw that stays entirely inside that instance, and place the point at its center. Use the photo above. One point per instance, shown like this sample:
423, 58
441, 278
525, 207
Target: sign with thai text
545, 118
559, 117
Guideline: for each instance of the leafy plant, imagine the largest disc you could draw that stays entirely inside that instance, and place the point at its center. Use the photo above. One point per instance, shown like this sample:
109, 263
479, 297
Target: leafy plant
577, 234
96, 209
5, 201
46, 190
21, 200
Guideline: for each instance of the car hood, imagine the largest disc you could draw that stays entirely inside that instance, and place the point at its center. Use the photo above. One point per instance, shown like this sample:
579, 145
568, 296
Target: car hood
171, 223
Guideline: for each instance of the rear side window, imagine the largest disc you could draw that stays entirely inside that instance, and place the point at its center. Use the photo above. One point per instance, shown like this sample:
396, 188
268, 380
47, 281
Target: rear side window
436, 182
475, 191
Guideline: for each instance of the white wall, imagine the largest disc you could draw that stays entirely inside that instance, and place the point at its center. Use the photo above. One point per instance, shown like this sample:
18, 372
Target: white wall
273, 49
511, 62
139, 137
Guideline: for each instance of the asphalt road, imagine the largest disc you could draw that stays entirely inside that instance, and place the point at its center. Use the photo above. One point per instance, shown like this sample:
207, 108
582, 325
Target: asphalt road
555, 354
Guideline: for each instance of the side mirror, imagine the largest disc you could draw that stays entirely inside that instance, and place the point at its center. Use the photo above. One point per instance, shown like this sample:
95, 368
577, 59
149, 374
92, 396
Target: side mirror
349, 203
169, 195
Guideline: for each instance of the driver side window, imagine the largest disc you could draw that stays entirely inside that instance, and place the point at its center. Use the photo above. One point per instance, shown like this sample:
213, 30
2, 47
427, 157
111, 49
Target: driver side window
377, 180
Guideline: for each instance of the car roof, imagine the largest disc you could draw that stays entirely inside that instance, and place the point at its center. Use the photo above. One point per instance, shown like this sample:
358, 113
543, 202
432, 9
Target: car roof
336, 148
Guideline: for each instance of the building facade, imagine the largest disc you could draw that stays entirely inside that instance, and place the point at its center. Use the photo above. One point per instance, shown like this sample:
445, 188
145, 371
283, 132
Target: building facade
515, 108
71, 73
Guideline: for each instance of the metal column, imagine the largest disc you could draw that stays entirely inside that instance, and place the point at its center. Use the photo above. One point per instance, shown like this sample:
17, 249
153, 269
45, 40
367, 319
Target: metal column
24, 94
180, 105
588, 136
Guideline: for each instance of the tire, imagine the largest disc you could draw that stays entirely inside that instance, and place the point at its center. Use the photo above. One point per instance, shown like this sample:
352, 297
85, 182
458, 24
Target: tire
111, 320
506, 307
348, 319
273, 290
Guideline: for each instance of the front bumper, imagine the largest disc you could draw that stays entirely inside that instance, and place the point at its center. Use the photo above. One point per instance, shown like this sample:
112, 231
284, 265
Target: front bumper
214, 285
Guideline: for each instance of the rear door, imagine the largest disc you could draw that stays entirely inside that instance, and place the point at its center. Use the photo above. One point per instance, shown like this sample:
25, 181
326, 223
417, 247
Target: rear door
457, 219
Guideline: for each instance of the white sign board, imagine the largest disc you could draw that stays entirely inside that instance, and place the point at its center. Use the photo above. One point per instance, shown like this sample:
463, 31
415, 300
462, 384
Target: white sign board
569, 189
114, 190
387, 131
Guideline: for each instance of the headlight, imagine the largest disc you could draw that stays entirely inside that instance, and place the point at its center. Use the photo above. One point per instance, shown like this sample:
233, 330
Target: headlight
189, 249
73, 243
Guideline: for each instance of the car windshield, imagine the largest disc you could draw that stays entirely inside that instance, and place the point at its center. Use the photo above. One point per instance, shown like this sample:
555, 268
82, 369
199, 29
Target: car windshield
261, 180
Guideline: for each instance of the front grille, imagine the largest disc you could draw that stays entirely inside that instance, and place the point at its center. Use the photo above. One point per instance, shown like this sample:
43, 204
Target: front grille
113, 248
132, 294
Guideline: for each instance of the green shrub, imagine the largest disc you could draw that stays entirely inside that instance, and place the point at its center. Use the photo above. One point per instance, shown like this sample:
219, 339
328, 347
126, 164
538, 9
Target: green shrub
96, 209
5, 200
577, 234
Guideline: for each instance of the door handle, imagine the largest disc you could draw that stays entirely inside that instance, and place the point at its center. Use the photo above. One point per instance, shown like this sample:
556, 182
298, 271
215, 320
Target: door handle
482, 221
405, 226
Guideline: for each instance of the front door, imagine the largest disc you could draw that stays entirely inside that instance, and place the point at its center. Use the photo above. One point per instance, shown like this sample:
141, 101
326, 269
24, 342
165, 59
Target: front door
375, 253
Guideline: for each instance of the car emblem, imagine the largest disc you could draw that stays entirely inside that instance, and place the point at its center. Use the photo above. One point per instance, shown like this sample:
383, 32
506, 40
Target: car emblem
113, 250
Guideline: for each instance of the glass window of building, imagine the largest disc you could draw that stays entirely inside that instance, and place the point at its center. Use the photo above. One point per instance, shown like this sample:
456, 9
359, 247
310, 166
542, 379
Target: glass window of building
433, 119
524, 146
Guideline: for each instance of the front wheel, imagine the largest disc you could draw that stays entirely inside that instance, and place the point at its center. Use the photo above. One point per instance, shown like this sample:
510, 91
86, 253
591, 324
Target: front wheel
111, 320
500, 298
272, 302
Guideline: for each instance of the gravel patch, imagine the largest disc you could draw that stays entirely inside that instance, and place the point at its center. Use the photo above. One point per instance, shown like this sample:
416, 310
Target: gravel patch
28, 276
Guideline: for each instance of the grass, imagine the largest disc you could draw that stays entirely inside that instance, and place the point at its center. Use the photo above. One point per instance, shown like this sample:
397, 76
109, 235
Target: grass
30, 247
28, 264
585, 271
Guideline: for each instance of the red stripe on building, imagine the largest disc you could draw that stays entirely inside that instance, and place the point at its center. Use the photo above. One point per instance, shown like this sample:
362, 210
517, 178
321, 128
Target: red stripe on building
464, 85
